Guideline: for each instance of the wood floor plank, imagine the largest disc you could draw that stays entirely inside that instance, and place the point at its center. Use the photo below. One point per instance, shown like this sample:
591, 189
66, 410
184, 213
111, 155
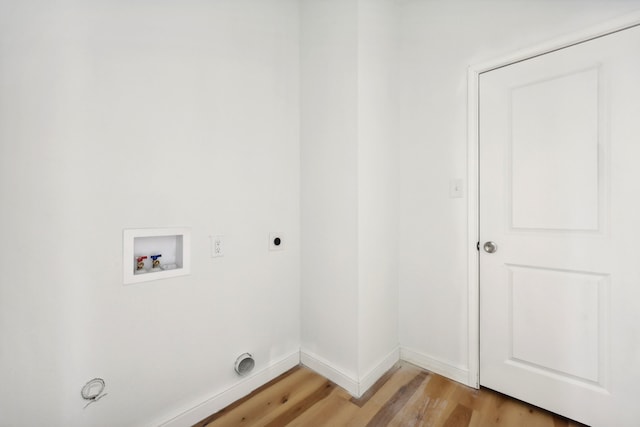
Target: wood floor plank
439, 390
407, 396
299, 408
384, 416
295, 397
504, 411
377, 386
263, 404
485, 412
339, 407
460, 417
467, 396
401, 377
270, 385
415, 411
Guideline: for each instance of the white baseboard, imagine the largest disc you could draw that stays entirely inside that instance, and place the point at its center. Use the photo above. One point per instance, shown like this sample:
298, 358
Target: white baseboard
323, 367
327, 370
378, 371
212, 405
354, 387
440, 367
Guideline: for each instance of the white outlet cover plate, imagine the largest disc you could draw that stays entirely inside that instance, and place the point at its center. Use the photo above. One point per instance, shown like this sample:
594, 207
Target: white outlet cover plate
272, 245
217, 245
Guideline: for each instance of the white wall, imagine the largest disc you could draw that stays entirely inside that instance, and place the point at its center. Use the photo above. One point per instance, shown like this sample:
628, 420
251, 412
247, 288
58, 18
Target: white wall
438, 42
143, 114
377, 191
349, 206
329, 180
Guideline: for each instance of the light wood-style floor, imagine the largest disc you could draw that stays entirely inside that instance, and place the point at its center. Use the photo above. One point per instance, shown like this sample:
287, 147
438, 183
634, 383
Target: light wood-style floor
406, 396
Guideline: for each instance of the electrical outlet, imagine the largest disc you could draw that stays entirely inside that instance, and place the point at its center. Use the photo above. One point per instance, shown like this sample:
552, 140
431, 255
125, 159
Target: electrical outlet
276, 241
217, 246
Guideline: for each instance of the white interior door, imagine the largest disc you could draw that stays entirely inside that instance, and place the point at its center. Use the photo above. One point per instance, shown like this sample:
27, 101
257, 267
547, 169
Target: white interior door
560, 198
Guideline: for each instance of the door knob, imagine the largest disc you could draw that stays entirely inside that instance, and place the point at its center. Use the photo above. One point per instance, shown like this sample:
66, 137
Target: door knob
490, 247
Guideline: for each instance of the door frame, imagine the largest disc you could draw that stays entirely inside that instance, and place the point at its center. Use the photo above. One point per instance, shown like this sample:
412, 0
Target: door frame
473, 181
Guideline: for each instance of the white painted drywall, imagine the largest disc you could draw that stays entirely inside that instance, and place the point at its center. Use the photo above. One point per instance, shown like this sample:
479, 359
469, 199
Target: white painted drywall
438, 41
121, 115
377, 185
329, 180
349, 194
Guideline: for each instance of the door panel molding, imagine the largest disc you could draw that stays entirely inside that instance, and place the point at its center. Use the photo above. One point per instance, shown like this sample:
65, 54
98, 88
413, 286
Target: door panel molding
588, 333
564, 131
473, 75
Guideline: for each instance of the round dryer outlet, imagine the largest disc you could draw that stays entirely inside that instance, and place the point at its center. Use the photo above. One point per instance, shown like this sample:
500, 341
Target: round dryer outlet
276, 241
244, 364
